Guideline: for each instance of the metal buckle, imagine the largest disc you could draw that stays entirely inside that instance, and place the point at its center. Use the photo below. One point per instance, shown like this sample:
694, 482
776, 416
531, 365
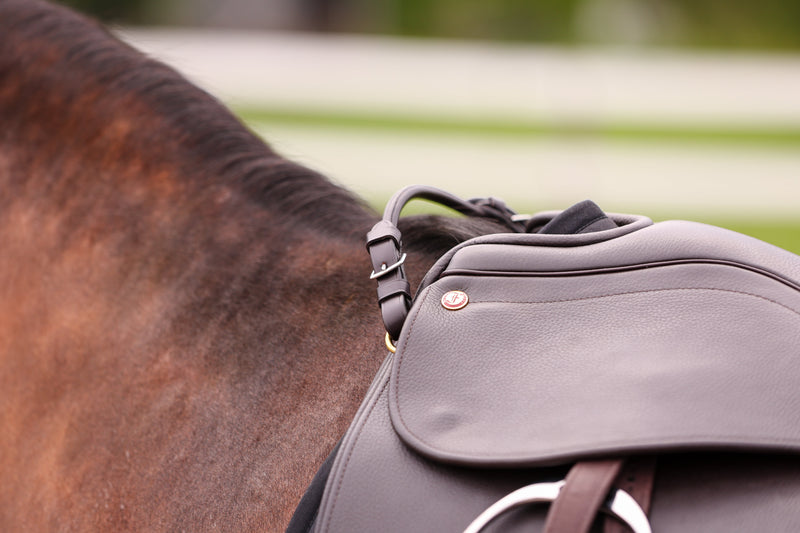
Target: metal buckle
386, 269
619, 504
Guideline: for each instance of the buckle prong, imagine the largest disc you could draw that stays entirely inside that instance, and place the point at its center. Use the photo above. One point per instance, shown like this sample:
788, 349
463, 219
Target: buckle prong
386, 269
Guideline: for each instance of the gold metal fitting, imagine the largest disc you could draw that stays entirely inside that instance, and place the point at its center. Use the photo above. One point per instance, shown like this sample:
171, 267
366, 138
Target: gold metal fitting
392, 348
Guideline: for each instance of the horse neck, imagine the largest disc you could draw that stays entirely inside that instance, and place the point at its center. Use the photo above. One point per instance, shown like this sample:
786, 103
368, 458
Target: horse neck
78, 105
178, 288
218, 363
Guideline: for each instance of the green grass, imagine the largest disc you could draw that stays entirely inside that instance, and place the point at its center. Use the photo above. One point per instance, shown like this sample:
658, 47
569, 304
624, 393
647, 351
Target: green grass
616, 131
785, 234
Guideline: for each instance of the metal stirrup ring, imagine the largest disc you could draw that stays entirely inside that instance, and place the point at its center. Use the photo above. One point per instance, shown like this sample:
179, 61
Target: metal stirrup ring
619, 504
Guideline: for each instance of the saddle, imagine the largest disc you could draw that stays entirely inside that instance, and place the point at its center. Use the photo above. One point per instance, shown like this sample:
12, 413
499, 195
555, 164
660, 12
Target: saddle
581, 372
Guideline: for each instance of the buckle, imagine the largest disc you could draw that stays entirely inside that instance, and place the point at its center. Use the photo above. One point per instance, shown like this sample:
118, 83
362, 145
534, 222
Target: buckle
386, 269
619, 504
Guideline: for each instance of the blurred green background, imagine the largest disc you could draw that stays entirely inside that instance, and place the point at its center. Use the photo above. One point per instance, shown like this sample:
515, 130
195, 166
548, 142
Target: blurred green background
725, 24
718, 32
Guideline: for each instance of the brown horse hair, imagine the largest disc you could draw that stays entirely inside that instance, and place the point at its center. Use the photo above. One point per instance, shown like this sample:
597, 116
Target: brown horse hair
89, 66
186, 324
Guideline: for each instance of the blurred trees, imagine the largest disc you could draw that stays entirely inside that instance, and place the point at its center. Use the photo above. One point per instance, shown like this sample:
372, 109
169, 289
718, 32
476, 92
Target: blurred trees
767, 24
695, 23
127, 11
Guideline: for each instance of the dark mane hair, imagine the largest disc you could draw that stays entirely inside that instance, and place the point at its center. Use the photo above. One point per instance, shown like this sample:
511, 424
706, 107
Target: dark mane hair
133, 101
188, 325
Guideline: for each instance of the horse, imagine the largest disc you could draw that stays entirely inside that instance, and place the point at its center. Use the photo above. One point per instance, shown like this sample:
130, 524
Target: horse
186, 326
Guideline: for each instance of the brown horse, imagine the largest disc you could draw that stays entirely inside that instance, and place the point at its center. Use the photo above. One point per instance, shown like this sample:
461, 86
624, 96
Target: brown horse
186, 323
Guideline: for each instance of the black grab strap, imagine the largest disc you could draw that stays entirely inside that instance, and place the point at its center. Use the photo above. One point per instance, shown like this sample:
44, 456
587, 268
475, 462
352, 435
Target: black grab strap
384, 244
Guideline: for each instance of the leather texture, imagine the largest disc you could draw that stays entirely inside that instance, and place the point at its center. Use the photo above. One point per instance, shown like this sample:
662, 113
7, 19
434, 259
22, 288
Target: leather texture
384, 245
378, 484
585, 489
612, 363
636, 479
627, 224
676, 339
666, 241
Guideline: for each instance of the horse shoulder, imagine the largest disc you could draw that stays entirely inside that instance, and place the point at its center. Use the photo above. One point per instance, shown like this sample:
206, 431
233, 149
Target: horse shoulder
184, 330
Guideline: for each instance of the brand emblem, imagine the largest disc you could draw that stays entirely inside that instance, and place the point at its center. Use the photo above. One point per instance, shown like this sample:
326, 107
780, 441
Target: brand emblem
454, 300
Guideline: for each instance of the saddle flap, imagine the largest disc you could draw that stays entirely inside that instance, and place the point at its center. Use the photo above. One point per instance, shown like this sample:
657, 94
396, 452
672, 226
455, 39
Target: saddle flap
636, 353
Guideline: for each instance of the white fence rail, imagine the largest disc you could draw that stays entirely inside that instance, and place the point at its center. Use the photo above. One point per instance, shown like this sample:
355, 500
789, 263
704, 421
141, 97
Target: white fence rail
484, 82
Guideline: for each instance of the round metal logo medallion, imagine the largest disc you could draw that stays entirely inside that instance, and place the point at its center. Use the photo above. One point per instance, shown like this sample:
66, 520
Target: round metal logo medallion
454, 300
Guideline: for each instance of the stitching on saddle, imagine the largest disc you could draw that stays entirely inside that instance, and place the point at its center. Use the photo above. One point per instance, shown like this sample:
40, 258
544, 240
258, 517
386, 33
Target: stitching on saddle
400, 363
640, 292
567, 451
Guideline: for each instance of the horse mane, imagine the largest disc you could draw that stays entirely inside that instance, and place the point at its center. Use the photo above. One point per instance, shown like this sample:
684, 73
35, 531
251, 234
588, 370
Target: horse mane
86, 102
187, 330
111, 98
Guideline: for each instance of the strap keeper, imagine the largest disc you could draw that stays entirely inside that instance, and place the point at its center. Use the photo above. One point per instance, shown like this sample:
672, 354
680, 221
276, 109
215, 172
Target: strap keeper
390, 288
384, 230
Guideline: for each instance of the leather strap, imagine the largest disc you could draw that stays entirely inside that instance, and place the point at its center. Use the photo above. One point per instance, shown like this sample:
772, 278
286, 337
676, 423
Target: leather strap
636, 478
586, 487
384, 244
476, 207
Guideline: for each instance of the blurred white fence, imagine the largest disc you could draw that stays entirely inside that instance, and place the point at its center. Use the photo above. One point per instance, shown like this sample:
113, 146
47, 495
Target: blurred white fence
485, 82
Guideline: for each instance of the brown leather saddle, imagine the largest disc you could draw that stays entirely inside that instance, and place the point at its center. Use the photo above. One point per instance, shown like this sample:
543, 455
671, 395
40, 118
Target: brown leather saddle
559, 362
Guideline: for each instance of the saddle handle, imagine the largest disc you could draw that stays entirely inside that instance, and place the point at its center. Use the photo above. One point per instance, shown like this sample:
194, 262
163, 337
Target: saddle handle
384, 244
